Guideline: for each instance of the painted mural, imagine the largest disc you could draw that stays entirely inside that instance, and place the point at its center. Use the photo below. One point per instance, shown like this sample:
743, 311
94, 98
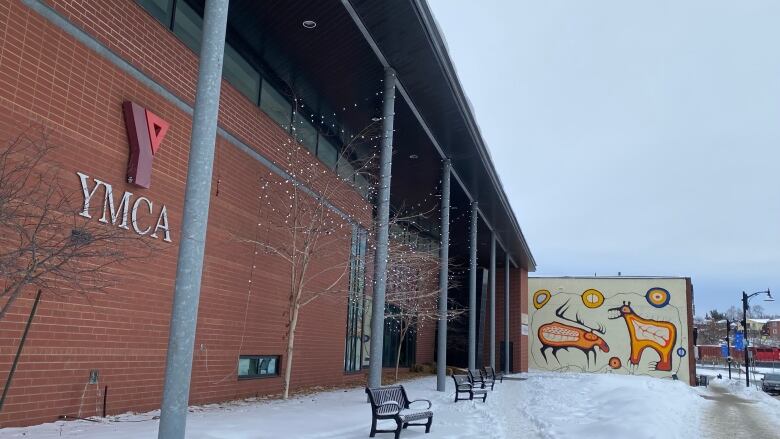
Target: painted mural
635, 326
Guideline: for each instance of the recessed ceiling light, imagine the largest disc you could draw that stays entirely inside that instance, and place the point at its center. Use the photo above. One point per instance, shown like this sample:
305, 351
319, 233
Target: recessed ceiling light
376, 119
414, 156
309, 24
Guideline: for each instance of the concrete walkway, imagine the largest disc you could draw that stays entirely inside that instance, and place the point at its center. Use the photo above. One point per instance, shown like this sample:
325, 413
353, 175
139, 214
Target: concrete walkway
732, 417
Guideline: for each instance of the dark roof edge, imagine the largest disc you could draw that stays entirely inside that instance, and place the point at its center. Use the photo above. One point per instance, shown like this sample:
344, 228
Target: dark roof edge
443, 58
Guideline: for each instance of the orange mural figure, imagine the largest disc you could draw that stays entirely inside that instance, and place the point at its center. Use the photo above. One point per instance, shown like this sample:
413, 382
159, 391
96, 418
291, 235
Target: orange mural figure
646, 333
557, 336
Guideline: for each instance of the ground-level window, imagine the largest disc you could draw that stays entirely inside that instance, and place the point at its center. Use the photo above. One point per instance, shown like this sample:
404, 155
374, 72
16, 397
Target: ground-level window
258, 366
353, 353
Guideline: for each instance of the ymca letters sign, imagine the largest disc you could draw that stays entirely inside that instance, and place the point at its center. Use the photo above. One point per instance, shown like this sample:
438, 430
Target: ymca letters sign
145, 133
119, 215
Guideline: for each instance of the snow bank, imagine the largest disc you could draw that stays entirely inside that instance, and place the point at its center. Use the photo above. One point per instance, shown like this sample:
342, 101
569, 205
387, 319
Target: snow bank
613, 406
546, 405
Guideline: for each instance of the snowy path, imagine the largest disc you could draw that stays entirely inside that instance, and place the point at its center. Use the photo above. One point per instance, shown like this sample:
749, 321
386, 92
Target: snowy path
731, 416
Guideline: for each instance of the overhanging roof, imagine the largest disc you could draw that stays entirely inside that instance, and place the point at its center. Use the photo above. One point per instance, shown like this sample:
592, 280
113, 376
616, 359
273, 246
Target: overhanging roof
405, 36
339, 65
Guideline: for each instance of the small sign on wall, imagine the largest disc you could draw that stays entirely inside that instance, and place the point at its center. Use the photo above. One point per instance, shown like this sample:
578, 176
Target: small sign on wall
524, 318
524, 329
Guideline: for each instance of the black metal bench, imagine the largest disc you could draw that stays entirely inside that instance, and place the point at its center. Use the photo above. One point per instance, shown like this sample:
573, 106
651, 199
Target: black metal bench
392, 403
463, 385
479, 379
492, 374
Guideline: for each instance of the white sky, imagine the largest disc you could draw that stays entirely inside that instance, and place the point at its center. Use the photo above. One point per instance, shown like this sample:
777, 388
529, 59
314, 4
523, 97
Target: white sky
633, 136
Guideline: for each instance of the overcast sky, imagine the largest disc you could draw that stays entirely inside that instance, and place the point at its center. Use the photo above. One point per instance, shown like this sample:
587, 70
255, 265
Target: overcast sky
633, 136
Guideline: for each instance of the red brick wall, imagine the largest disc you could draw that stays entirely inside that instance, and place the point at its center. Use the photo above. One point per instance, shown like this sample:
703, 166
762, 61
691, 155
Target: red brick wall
49, 78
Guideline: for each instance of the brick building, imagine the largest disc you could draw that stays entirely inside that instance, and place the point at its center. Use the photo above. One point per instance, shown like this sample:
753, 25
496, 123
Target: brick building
304, 74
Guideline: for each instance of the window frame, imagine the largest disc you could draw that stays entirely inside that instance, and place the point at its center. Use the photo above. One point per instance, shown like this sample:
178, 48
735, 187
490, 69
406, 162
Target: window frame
354, 339
278, 364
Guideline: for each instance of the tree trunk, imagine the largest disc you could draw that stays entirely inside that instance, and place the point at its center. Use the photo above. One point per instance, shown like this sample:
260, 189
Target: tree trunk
290, 346
400, 345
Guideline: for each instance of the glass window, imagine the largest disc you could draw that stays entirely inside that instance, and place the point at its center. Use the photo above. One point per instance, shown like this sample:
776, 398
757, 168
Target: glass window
255, 366
326, 152
187, 25
305, 132
159, 9
346, 170
356, 340
362, 185
240, 74
276, 106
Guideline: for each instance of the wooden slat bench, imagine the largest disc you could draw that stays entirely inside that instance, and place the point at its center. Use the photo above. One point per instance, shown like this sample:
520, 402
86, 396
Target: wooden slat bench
391, 402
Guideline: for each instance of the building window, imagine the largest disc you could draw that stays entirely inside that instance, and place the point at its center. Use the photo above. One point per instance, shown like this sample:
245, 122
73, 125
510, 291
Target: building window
258, 366
305, 132
159, 9
353, 353
240, 74
276, 106
327, 153
345, 170
187, 26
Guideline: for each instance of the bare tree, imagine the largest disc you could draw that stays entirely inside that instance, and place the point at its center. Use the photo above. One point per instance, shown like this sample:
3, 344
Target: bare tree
299, 225
413, 289
44, 243
733, 314
757, 312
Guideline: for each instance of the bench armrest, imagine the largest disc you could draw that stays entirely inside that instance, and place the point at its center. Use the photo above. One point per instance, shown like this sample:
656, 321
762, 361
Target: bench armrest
421, 400
391, 403
468, 386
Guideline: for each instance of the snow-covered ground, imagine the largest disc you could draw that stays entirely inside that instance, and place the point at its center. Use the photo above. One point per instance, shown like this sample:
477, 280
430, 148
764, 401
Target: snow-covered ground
546, 405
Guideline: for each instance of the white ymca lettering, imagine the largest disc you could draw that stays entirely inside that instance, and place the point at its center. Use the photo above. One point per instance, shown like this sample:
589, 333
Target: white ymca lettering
119, 214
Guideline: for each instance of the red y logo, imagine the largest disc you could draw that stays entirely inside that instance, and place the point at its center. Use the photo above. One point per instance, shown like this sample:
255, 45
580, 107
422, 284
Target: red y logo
145, 131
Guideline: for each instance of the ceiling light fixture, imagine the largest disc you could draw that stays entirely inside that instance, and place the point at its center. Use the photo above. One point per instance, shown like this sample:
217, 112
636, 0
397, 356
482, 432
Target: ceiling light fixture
309, 24
414, 156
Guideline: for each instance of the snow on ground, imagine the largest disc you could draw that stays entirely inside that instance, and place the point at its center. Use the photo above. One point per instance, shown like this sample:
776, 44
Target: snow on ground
545, 405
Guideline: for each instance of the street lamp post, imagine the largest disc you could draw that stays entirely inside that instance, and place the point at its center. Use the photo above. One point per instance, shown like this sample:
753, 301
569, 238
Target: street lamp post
745, 299
728, 345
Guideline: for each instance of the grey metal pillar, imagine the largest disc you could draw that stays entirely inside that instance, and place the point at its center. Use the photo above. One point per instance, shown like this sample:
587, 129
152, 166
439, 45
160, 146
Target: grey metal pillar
178, 369
444, 261
492, 361
506, 313
382, 220
473, 287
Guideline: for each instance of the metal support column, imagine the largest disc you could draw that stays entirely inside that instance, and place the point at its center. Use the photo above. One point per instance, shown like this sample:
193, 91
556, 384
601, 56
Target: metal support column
382, 220
492, 361
444, 264
473, 287
189, 270
507, 353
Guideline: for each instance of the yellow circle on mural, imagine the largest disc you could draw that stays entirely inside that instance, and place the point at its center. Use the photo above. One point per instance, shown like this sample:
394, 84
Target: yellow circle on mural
592, 298
541, 298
